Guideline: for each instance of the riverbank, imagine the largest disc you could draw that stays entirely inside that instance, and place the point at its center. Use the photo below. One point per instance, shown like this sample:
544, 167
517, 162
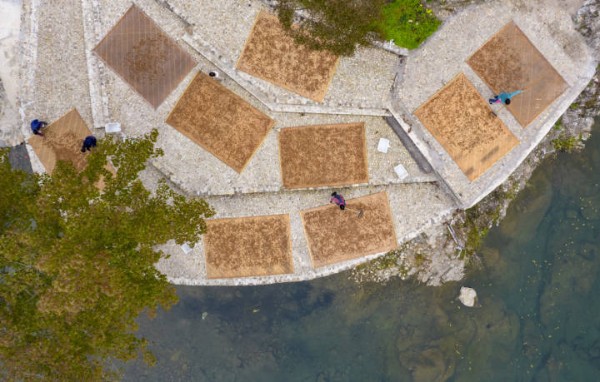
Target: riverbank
426, 257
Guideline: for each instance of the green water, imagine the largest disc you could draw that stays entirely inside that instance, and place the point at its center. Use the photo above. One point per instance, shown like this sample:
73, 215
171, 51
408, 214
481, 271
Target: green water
538, 321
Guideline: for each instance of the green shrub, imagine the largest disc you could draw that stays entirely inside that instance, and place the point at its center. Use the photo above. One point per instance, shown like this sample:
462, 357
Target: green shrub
407, 22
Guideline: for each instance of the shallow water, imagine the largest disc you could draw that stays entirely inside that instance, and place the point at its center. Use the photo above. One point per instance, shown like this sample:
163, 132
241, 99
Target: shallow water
538, 319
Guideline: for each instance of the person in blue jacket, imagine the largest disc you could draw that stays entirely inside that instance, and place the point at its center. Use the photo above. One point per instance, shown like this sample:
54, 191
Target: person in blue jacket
504, 97
37, 126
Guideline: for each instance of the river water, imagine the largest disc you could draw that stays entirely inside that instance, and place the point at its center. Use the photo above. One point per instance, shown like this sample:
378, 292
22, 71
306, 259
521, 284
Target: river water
538, 286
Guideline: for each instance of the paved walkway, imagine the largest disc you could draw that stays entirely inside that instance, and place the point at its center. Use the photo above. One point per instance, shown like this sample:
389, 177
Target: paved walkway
373, 84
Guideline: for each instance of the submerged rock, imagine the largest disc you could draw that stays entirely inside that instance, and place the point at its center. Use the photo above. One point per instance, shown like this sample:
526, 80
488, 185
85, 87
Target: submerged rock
431, 366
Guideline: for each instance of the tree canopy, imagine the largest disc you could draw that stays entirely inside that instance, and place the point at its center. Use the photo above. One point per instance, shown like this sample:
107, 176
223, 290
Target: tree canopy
77, 265
339, 26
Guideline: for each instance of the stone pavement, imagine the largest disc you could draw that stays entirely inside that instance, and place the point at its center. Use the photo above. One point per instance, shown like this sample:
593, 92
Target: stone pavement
367, 87
552, 32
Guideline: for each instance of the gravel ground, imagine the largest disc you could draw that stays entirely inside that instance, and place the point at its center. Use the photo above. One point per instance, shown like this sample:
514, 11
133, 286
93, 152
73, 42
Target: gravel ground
370, 70
258, 188
198, 172
51, 84
214, 33
61, 78
417, 207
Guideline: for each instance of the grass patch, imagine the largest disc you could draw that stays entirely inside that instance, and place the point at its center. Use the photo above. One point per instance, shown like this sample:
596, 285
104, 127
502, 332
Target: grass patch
391, 260
407, 22
387, 261
475, 233
558, 125
566, 144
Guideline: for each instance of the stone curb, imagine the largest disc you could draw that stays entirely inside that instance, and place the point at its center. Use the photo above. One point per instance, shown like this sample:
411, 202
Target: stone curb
96, 68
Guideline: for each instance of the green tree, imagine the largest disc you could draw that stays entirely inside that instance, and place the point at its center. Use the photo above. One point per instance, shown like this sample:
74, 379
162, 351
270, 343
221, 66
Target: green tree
77, 265
339, 26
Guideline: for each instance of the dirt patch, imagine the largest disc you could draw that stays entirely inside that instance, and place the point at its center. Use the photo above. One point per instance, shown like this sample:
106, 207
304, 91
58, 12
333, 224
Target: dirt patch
144, 56
220, 121
334, 235
62, 141
252, 246
272, 55
323, 155
463, 123
509, 62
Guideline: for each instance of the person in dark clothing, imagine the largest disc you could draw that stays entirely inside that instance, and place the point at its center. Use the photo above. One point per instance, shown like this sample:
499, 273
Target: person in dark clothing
88, 143
338, 200
37, 126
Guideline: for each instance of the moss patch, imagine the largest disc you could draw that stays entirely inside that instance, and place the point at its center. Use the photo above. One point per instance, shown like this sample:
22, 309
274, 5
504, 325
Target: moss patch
479, 219
566, 142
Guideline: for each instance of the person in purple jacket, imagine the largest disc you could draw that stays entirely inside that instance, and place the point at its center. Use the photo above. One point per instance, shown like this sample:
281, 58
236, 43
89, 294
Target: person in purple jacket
338, 200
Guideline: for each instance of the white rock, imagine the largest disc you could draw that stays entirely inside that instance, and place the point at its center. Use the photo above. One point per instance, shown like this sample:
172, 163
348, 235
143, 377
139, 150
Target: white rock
185, 247
401, 172
383, 145
468, 296
112, 127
